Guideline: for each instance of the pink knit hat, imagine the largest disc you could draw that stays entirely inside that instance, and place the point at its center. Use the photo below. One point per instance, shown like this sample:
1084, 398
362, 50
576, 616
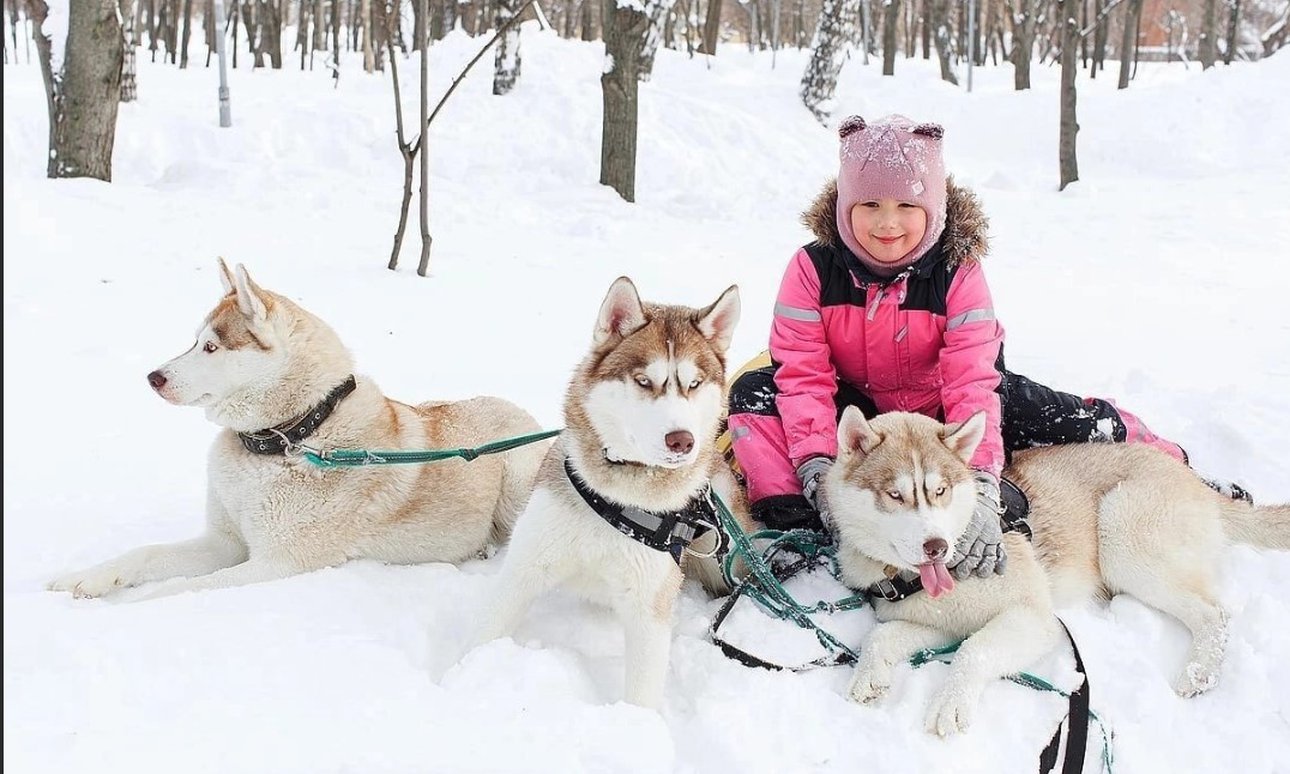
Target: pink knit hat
897, 158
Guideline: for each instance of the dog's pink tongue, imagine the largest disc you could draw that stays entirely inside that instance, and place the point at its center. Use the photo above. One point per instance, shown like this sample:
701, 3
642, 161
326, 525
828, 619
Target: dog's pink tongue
936, 579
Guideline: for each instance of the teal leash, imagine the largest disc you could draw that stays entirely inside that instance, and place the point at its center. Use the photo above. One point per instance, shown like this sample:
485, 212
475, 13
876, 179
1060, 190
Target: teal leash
357, 458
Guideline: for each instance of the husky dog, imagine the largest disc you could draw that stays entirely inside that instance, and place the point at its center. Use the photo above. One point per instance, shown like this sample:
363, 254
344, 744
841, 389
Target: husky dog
274, 376
1106, 518
641, 419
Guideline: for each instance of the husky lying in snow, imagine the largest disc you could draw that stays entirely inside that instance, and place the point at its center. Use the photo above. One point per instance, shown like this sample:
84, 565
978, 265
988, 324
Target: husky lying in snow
273, 375
638, 451
1107, 519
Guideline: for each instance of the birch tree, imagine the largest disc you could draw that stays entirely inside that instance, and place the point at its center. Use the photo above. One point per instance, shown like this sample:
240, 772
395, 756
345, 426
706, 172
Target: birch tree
82, 74
506, 60
834, 33
129, 62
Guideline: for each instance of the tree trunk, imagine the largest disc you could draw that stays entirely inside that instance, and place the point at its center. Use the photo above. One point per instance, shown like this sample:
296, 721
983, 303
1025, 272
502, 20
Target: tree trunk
588, 22
711, 28
380, 33
423, 266
890, 21
129, 62
270, 33
1023, 42
1207, 46
1099, 39
506, 60
1070, 66
1233, 26
320, 29
82, 97
369, 62
944, 39
1129, 42
187, 35
835, 32
626, 27
658, 10
926, 25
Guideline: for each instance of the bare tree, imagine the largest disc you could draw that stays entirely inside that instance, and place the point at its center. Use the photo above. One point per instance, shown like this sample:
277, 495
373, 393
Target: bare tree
83, 88
1207, 45
944, 39
1129, 43
658, 12
1025, 19
129, 62
269, 41
506, 61
1069, 125
410, 149
890, 21
626, 28
711, 28
187, 34
835, 32
1233, 27
1276, 36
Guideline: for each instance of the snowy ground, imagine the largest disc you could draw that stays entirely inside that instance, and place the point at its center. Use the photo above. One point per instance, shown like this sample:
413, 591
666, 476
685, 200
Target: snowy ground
1159, 280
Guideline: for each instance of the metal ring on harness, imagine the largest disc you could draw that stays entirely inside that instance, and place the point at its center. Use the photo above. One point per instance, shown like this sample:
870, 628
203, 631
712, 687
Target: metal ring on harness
718, 547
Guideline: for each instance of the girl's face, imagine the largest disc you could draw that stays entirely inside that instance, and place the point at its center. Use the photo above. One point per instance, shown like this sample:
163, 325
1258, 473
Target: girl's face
888, 228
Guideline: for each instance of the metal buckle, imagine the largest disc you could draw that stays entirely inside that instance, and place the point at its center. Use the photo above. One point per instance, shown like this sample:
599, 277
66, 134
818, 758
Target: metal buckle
887, 590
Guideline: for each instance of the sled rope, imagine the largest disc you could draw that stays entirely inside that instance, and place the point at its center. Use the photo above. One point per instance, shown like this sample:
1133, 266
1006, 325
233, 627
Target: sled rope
765, 586
353, 458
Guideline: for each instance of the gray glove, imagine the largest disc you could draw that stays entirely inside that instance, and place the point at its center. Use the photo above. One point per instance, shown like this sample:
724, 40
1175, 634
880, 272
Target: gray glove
811, 473
980, 549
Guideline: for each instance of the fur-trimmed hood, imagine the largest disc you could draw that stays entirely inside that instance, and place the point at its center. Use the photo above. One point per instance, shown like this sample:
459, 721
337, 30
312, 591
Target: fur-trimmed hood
965, 239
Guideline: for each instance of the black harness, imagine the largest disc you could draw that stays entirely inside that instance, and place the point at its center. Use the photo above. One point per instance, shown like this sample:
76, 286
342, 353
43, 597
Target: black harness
277, 439
667, 531
1016, 507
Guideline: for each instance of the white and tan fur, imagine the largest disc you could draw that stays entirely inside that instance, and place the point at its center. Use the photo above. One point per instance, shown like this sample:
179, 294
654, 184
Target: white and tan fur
1107, 519
260, 360
652, 370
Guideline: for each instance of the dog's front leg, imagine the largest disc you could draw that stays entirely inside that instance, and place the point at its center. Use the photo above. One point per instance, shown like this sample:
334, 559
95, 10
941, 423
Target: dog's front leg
888, 645
1006, 645
213, 551
251, 571
648, 629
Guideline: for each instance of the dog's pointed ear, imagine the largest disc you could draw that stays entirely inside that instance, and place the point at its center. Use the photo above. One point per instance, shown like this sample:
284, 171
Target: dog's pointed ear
250, 298
855, 434
226, 277
717, 322
621, 313
963, 438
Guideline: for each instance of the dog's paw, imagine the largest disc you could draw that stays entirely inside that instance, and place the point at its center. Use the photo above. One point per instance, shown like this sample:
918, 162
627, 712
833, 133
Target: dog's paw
1195, 679
950, 711
94, 582
867, 686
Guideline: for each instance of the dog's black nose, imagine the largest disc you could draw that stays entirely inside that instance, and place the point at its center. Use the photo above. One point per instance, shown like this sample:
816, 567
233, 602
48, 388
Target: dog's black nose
936, 549
679, 441
157, 380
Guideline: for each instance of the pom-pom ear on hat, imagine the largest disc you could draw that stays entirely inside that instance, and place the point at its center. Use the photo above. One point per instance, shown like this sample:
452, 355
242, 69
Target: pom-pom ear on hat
935, 131
850, 125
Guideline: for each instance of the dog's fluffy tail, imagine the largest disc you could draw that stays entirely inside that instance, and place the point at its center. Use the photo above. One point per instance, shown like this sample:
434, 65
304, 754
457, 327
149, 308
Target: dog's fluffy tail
1265, 526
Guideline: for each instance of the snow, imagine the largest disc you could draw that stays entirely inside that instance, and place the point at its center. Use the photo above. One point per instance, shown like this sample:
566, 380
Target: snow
1158, 279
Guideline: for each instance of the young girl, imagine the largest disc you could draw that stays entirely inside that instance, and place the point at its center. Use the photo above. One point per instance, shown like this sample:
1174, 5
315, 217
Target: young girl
889, 310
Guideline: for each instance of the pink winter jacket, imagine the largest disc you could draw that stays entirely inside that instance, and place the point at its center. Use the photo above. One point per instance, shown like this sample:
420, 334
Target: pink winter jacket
925, 342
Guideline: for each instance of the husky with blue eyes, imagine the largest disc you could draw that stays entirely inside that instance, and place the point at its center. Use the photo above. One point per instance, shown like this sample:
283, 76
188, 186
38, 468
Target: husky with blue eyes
623, 504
